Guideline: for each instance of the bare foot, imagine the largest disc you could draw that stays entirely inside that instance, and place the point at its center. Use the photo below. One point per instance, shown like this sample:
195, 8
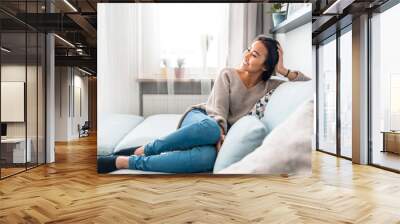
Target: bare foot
139, 151
122, 162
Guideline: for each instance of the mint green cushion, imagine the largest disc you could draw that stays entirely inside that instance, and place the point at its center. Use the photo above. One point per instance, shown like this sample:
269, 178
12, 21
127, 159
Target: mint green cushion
243, 138
285, 99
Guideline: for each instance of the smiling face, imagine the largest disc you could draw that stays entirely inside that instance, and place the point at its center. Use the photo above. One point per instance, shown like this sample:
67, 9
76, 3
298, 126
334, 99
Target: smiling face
254, 58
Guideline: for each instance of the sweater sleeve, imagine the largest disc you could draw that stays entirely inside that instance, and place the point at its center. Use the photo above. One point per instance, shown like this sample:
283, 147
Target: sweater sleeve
274, 83
218, 101
301, 77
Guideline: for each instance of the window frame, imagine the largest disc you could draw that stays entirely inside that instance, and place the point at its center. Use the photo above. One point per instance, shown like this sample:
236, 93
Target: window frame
379, 10
334, 37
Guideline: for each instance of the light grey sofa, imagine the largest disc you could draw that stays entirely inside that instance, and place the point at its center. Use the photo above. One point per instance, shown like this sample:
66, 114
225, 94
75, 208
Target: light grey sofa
118, 131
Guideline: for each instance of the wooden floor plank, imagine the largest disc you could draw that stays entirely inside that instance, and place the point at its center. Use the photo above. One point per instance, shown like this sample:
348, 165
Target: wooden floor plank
71, 191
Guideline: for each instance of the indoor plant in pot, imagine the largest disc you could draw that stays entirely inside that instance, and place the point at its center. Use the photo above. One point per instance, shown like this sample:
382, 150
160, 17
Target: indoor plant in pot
179, 70
278, 13
164, 67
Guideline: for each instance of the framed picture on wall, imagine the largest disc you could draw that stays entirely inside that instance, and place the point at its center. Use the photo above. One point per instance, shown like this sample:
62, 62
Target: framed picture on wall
12, 101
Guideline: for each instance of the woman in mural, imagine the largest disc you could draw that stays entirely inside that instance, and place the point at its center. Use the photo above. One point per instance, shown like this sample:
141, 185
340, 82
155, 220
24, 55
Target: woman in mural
194, 146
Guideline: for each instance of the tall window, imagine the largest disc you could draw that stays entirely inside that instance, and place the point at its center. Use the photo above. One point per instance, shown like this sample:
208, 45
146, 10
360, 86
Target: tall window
192, 32
385, 84
327, 97
346, 94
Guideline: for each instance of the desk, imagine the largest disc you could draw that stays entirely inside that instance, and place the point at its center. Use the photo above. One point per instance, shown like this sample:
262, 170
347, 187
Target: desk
391, 141
13, 150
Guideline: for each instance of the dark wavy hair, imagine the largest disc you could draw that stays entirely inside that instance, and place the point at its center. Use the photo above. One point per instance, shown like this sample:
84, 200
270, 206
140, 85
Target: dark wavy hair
273, 56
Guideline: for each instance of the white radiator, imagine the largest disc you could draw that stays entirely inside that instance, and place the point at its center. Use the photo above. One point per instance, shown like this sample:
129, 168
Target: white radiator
169, 104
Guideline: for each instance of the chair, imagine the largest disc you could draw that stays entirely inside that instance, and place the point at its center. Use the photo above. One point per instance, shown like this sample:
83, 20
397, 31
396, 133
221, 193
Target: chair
84, 130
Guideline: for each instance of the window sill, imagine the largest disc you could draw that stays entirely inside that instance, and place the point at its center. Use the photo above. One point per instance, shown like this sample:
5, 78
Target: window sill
172, 77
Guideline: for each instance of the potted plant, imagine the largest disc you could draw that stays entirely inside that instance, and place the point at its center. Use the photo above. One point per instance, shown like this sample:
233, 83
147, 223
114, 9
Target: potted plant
278, 13
179, 70
164, 67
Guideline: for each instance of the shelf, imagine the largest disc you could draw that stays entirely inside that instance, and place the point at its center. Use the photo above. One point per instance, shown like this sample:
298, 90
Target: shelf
303, 16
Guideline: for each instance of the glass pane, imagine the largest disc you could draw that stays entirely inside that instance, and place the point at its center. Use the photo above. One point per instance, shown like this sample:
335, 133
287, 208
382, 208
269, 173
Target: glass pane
346, 94
386, 89
327, 97
41, 98
31, 101
13, 85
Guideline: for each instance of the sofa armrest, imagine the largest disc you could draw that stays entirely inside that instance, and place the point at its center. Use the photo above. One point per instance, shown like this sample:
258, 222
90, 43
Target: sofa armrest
153, 127
112, 128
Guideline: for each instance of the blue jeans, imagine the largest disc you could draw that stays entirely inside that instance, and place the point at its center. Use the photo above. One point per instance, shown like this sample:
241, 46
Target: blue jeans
190, 149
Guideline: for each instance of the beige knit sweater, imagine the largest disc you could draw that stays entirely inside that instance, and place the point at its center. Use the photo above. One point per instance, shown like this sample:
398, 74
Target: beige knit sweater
230, 99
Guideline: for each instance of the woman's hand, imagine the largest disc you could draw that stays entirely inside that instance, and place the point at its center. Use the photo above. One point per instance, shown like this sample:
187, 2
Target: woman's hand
221, 140
219, 143
280, 68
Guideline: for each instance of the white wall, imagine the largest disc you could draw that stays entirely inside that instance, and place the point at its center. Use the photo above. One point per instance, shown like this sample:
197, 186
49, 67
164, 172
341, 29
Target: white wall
67, 80
33, 127
297, 47
80, 82
17, 73
61, 103
299, 54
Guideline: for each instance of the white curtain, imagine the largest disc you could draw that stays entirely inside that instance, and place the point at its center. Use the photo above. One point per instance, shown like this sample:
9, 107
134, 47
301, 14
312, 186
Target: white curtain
117, 58
245, 23
148, 34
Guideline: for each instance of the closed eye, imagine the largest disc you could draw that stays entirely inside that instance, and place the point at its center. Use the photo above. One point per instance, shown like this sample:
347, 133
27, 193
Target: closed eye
253, 53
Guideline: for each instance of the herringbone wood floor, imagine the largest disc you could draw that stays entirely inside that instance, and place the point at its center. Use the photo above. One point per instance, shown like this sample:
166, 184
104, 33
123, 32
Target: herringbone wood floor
70, 191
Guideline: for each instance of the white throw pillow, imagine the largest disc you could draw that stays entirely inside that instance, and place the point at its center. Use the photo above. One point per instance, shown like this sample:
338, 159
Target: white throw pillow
243, 138
286, 150
153, 127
